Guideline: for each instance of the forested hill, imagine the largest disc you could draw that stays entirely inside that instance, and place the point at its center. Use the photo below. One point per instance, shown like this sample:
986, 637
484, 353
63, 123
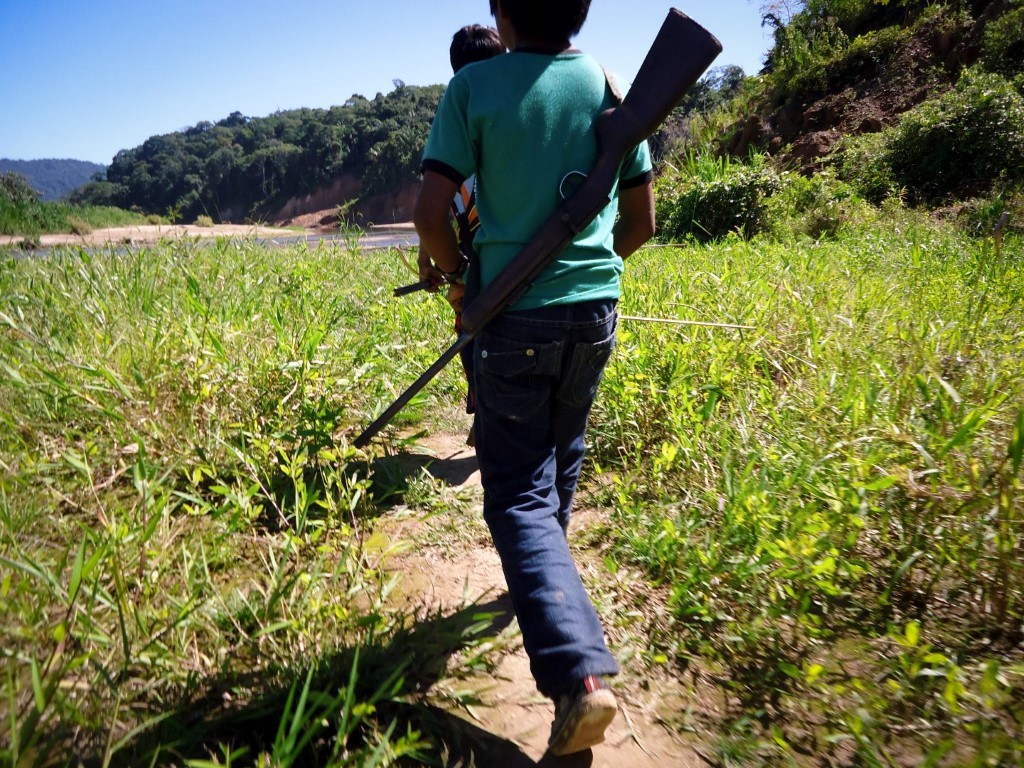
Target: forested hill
52, 178
248, 167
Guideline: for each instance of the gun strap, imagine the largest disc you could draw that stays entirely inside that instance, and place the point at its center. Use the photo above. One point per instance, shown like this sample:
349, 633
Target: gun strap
613, 86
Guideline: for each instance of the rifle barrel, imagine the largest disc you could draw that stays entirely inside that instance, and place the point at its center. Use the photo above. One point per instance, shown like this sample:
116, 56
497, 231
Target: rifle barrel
403, 290
393, 409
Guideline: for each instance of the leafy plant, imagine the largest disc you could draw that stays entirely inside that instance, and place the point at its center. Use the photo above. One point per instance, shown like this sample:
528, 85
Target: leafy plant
79, 225
1003, 44
708, 197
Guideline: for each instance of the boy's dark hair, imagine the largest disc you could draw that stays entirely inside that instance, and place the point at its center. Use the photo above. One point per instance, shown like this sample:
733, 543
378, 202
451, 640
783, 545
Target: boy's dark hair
548, 20
474, 43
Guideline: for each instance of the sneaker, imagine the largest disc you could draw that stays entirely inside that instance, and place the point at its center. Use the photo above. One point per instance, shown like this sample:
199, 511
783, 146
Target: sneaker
581, 716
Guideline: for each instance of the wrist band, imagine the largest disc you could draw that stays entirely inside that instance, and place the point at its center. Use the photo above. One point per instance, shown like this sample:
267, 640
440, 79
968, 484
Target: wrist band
455, 276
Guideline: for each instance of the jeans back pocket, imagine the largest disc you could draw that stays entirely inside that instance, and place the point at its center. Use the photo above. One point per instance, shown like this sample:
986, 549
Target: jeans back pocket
513, 378
585, 370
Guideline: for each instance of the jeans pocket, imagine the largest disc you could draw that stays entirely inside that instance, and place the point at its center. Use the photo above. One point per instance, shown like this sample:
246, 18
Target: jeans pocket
512, 376
586, 367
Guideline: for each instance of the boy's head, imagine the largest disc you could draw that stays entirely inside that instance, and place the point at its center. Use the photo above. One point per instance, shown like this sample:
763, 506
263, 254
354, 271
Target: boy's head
546, 20
474, 43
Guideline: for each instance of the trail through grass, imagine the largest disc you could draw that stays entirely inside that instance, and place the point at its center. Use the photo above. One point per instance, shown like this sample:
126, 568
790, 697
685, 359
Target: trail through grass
832, 502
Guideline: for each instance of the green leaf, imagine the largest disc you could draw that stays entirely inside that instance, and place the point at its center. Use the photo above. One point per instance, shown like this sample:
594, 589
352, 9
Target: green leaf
882, 483
912, 633
970, 425
14, 374
1016, 450
76, 574
790, 669
37, 687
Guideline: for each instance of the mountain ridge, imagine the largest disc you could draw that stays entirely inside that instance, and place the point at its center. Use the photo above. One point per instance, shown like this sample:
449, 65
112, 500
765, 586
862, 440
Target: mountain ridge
53, 178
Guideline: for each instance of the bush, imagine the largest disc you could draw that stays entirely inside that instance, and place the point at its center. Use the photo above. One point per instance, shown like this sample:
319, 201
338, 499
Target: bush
79, 225
15, 190
819, 207
980, 215
204, 221
862, 161
713, 196
802, 50
1003, 45
970, 139
862, 58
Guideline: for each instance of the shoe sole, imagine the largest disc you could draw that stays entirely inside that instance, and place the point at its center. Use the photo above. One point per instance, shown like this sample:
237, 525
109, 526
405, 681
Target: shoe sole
585, 727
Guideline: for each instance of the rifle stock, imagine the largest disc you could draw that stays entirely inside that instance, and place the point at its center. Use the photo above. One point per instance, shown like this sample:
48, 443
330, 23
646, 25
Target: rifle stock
680, 54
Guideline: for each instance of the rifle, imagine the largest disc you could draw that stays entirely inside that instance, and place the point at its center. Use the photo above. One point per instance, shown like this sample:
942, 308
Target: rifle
681, 53
404, 290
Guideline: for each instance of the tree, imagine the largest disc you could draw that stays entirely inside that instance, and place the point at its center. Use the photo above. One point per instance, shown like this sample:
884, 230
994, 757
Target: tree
15, 189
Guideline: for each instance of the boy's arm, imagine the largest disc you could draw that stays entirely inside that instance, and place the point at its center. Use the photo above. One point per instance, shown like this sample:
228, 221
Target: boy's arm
433, 225
636, 219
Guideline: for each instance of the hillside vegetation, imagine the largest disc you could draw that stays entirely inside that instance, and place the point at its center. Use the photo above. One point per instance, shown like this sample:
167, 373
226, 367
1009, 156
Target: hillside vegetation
880, 101
23, 212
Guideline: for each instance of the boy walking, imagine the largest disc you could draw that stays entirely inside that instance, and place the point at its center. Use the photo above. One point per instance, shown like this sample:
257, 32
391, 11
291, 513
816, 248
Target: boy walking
470, 44
523, 123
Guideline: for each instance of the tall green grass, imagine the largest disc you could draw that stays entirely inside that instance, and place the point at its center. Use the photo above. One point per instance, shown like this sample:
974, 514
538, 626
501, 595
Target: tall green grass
832, 502
182, 521
37, 218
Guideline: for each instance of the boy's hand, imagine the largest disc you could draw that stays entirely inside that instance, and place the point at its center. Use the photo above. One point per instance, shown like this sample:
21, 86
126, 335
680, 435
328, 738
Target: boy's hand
456, 291
428, 271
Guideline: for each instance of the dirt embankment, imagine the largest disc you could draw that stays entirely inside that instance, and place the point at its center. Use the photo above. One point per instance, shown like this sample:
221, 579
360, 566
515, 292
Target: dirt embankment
866, 94
319, 211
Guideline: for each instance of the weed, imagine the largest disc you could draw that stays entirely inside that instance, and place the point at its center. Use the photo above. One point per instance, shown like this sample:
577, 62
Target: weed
79, 226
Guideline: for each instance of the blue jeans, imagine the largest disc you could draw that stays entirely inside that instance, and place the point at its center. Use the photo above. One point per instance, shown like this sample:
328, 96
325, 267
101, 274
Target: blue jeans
536, 373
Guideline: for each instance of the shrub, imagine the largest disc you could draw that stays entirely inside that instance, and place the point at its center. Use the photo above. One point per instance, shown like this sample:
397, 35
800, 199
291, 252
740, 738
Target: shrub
802, 50
862, 161
969, 139
79, 225
819, 207
863, 57
1003, 46
204, 221
979, 216
15, 189
713, 196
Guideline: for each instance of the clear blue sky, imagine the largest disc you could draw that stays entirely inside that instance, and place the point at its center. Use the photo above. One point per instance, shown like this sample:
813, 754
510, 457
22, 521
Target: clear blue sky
83, 80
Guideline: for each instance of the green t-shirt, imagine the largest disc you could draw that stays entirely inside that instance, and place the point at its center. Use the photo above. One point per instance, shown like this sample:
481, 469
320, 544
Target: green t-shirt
521, 122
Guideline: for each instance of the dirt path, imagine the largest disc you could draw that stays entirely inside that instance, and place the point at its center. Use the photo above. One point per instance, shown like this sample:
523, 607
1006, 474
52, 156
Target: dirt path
451, 565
